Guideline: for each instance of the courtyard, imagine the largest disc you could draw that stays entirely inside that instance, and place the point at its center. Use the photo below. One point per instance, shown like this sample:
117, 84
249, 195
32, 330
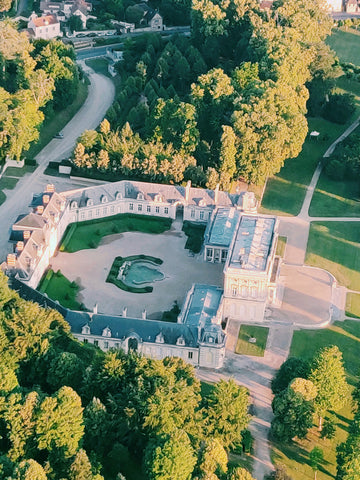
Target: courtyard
90, 268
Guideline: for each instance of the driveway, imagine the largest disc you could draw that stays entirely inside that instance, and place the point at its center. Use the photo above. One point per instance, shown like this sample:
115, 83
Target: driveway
100, 98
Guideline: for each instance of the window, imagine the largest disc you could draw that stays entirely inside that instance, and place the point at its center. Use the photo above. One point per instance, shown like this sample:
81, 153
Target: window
148, 209
157, 209
190, 355
192, 214
223, 255
209, 252
139, 207
96, 343
105, 211
202, 215
234, 290
82, 215
166, 210
112, 209
131, 206
106, 344
90, 214
85, 340
97, 212
117, 345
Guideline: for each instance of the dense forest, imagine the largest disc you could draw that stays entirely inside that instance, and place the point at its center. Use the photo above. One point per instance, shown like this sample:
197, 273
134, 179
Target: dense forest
229, 102
70, 411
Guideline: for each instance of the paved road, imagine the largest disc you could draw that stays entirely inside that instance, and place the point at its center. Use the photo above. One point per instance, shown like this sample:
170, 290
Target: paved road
100, 98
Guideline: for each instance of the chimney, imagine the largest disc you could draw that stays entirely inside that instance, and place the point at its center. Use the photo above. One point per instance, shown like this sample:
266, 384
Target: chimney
40, 209
50, 188
20, 246
46, 199
124, 312
26, 234
143, 314
187, 190
11, 259
216, 192
95, 309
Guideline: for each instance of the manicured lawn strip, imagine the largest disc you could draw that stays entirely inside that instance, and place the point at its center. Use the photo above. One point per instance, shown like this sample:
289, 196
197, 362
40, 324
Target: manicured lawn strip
195, 233
114, 271
281, 245
19, 172
285, 192
295, 457
100, 65
88, 234
56, 123
335, 198
353, 305
346, 45
8, 183
244, 347
2, 197
334, 246
58, 287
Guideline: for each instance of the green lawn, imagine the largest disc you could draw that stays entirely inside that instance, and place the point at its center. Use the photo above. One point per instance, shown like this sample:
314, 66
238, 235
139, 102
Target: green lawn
334, 246
100, 65
353, 305
244, 347
8, 183
286, 191
58, 287
346, 45
53, 125
83, 235
19, 172
281, 245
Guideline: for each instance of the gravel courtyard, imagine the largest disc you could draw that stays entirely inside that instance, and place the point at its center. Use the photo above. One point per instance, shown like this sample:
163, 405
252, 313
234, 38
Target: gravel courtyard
89, 268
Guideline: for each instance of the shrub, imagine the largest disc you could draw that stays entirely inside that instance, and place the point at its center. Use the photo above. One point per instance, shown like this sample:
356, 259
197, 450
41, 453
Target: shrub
339, 108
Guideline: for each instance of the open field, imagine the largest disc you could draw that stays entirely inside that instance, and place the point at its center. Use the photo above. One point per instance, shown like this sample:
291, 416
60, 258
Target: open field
334, 246
244, 347
346, 45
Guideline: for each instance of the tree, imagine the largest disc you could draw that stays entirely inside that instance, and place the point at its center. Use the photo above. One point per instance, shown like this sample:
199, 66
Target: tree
278, 474
29, 470
316, 457
306, 388
170, 458
213, 458
293, 415
292, 368
75, 23
340, 107
227, 153
226, 410
239, 474
348, 452
80, 469
328, 375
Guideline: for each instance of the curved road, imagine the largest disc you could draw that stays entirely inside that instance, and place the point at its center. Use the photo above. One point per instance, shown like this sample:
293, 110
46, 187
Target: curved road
100, 97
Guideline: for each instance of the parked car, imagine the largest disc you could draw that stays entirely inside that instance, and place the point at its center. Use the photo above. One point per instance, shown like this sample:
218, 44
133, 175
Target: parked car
92, 34
59, 135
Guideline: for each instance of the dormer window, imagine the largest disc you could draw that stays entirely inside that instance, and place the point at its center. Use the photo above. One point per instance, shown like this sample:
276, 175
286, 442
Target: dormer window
202, 203
85, 330
158, 198
104, 199
106, 332
160, 338
89, 202
180, 341
211, 339
118, 196
73, 205
140, 196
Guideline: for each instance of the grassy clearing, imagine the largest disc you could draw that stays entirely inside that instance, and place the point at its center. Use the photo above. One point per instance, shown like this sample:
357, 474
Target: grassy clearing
346, 45
89, 234
244, 347
334, 246
286, 191
58, 287
53, 125
281, 245
99, 65
353, 305
195, 233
